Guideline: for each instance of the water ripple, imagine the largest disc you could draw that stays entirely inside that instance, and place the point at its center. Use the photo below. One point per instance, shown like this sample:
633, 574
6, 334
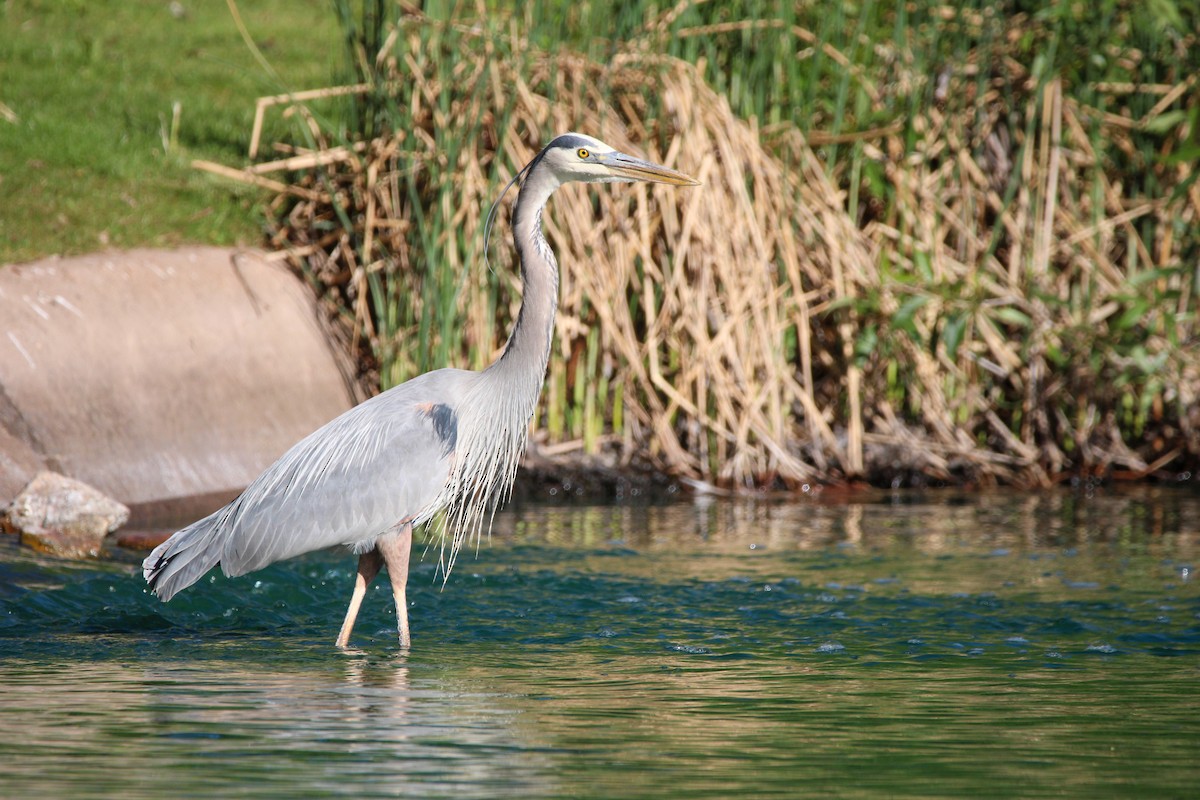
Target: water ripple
899, 665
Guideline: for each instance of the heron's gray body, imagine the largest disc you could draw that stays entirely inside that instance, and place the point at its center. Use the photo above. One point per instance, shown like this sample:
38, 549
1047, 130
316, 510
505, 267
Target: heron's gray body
337, 486
449, 439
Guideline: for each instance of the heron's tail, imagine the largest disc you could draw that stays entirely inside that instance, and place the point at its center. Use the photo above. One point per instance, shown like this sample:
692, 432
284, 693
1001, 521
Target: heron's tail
183, 559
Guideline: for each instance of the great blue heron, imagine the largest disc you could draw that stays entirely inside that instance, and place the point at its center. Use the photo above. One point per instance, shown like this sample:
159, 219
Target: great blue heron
446, 440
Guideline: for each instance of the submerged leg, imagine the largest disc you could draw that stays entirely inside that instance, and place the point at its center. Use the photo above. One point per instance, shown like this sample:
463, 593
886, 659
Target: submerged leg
368, 568
395, 549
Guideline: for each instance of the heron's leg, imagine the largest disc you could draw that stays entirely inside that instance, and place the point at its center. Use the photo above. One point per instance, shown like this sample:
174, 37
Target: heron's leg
368, 567
395, 551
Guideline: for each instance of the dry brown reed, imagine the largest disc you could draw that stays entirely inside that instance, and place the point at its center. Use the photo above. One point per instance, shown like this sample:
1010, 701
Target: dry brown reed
1068, 313
735, 333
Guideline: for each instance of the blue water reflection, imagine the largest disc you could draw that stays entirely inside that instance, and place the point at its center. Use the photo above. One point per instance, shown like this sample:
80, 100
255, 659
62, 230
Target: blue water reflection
906, 645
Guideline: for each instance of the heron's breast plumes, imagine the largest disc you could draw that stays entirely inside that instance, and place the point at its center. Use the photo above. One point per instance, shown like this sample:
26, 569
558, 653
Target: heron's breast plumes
490, 437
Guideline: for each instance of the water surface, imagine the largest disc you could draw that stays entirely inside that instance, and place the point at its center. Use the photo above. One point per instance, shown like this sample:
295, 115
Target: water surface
908, 645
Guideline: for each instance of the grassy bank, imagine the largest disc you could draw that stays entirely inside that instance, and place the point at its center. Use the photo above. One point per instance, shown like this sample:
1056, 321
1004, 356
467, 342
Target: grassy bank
933, 243
103, 105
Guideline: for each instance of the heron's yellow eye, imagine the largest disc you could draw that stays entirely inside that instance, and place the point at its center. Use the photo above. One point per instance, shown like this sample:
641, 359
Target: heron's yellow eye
582, 152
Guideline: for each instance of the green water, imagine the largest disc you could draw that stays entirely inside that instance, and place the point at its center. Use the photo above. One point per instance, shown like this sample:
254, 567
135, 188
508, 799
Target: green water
904, 645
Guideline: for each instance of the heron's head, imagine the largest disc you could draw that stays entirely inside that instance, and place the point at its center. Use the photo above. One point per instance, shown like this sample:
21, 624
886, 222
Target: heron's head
576, 157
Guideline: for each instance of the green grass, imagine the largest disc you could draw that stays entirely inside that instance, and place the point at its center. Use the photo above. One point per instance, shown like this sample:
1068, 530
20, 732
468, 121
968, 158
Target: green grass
92, 159
95, 158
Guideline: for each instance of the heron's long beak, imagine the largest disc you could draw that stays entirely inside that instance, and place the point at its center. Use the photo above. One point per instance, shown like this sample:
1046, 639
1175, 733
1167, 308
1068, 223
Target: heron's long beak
630, 168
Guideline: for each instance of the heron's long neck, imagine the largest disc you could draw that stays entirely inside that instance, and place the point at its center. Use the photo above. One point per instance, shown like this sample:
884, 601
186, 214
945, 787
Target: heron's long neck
528, 350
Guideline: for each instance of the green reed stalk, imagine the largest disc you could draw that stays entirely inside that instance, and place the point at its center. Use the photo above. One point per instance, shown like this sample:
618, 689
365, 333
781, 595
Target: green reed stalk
828, 70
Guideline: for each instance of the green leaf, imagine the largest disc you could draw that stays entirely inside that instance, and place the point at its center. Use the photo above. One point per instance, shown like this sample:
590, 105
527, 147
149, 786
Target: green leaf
1152, 275
876, 179
1188, 153
1185, 185
1165, 13
924, 266
865, 344
1056, 356
1013, 316
903, 318
1165, 121
952, 333
1132, 315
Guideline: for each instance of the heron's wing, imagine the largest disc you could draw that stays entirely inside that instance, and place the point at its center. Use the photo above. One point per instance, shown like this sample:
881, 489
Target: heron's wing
378, 464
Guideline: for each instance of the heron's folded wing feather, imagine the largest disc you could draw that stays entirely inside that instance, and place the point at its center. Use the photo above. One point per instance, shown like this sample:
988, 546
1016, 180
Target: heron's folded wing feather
378, 464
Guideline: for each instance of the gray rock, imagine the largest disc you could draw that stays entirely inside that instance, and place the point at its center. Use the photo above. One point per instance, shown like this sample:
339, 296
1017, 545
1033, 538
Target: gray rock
159, 376
63, 517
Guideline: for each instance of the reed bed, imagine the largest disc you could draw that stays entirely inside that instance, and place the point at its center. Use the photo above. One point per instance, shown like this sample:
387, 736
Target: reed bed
951, 287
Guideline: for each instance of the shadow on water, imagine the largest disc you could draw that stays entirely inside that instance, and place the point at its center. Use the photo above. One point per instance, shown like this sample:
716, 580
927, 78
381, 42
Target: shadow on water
907, 645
